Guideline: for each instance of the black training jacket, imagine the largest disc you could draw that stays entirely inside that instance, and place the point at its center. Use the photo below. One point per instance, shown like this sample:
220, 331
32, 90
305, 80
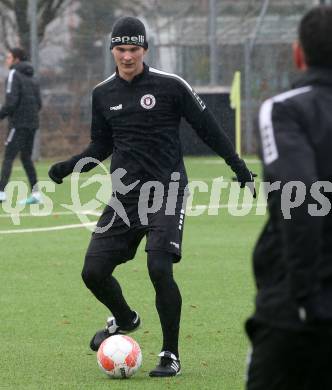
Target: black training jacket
22, 102
138, 123
293, 256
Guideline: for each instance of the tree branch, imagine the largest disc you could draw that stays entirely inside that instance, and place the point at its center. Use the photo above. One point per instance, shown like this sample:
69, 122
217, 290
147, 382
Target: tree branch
21, 13
4, 32
49, 10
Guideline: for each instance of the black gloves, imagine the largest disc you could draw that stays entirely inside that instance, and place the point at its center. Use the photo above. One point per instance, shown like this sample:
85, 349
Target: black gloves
246, 178
59, 170
243, 175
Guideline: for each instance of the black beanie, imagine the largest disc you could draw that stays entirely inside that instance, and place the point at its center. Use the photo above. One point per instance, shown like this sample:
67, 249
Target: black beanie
128, 31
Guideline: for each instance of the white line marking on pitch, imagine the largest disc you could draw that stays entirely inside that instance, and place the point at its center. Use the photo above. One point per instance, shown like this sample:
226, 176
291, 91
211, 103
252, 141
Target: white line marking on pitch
62, 227
36, 215
87, 212
98, 213
95, 213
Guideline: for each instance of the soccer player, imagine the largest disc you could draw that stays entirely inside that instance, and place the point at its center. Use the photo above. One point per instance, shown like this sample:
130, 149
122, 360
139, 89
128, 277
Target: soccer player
291, 328
135, 117
22, 106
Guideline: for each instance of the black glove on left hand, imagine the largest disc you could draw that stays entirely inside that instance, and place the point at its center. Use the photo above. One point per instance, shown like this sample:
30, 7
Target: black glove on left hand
58, 171
247, 178
243, 175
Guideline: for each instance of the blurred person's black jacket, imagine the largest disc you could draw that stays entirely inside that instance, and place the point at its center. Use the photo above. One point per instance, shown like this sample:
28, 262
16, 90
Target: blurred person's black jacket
293, 257
23, 101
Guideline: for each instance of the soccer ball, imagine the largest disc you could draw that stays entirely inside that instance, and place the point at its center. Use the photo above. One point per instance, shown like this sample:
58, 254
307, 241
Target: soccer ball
119, 356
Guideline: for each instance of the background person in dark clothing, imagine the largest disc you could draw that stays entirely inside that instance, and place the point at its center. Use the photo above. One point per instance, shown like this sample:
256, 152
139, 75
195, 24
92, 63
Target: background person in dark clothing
136, 114
291, 329
21, 107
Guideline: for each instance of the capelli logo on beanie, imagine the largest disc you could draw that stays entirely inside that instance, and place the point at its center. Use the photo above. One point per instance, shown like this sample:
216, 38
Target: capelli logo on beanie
129, 30
125, 40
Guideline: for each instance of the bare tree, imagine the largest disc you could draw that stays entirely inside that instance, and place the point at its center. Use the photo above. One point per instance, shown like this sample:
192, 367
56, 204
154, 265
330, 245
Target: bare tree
14, 18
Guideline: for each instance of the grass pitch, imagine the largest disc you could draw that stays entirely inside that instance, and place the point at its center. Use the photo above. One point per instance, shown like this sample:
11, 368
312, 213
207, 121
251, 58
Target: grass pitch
48, 316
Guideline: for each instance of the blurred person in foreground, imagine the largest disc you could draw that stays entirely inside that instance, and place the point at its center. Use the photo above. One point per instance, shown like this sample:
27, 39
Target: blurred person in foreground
291, 328
21, 107
136, 114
